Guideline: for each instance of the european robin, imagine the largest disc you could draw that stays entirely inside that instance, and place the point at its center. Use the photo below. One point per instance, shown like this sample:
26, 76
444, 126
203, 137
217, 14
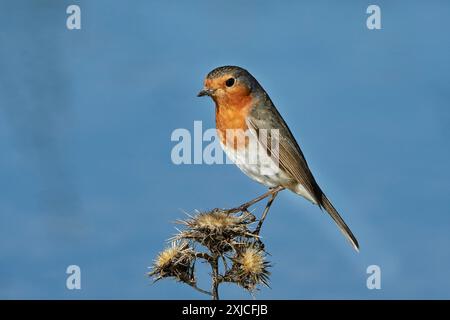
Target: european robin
245, 109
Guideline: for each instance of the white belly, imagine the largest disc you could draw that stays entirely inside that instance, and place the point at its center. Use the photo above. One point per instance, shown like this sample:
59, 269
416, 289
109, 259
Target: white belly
261, 167
258, 165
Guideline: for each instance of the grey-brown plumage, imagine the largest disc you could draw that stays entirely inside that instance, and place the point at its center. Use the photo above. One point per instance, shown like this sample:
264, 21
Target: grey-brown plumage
296, 175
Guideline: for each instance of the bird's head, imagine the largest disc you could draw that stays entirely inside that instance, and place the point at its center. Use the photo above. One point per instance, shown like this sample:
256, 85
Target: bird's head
229, 86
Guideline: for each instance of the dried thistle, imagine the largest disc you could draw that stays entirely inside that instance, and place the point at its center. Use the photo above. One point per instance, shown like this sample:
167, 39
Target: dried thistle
227, 237
250, 267
175, 261
217, 230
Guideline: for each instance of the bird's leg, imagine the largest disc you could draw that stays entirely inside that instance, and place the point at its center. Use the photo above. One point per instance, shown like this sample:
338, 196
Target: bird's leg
266, 210
245, 206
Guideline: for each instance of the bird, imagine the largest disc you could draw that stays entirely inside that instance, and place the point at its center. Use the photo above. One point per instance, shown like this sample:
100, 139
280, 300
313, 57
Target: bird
244, 109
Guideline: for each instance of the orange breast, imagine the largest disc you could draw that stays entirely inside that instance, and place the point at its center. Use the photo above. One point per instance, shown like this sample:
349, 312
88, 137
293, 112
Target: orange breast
231, 121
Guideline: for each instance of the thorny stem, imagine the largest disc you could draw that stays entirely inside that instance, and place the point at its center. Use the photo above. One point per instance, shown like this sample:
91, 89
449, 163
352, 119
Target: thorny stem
215, 277
214, 262
203, 255
193, 285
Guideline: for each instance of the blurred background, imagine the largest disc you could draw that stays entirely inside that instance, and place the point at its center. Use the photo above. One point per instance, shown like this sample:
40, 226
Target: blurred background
86, 116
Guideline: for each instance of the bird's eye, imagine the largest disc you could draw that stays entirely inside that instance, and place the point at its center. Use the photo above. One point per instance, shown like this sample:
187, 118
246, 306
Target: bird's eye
229, 82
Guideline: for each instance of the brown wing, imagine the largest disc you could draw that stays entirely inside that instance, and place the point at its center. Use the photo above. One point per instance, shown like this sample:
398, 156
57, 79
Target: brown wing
291, 158
293, 162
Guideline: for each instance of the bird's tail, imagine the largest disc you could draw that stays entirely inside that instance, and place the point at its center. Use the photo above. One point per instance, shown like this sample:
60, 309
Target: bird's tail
326, 204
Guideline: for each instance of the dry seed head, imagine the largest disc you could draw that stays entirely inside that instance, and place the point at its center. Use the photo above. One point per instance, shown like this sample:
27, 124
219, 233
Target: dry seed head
250, 267
175, 261
216, 220
217, 229
220, 221
252, 261
167, 256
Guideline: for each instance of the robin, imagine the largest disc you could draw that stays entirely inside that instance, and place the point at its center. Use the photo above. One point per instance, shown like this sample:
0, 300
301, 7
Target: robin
244, 108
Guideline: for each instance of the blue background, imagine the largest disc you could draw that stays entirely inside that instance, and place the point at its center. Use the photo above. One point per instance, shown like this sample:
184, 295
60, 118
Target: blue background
86, 116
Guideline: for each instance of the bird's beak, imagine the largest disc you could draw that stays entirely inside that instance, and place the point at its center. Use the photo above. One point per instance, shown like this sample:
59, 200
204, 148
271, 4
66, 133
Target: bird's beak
205, 92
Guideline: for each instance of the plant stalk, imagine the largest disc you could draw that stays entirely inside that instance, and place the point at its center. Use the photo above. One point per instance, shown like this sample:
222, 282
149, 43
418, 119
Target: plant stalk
215, 277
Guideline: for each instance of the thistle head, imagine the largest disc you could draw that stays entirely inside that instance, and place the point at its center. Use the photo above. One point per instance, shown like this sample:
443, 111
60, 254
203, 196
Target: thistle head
176, 261
250, 267
217, 230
